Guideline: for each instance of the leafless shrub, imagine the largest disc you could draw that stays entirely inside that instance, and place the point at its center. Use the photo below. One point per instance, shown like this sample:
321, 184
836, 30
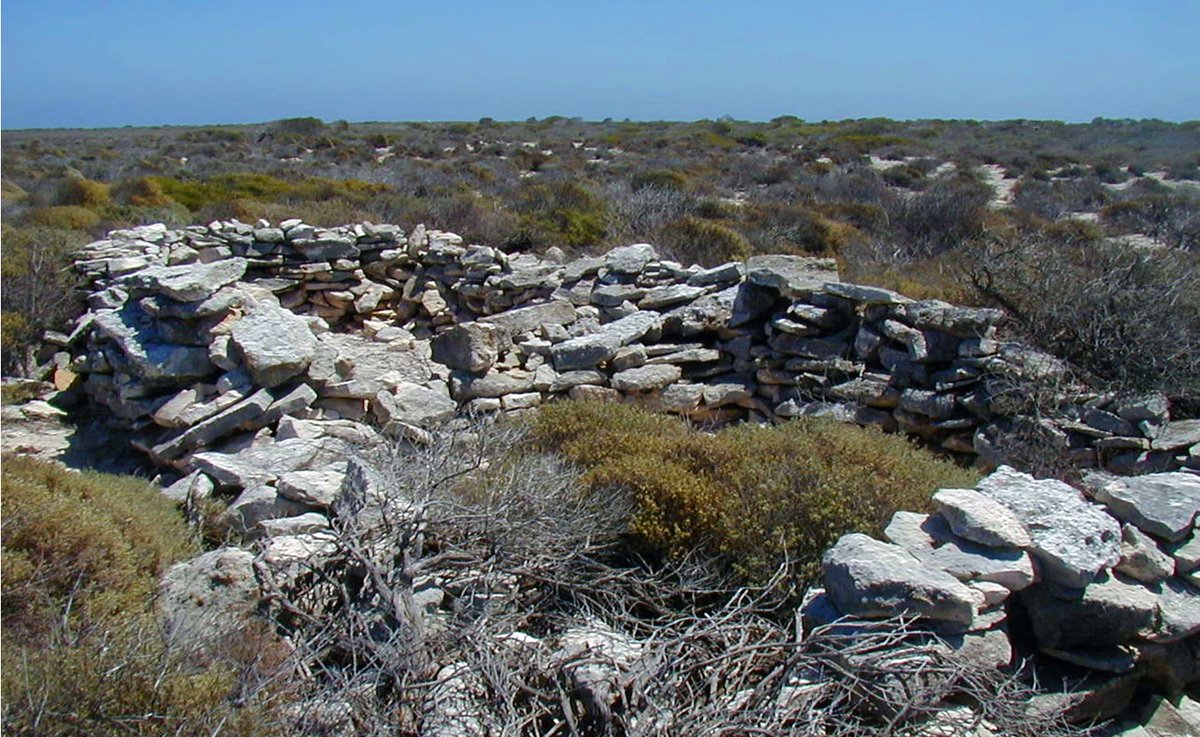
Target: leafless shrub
1129, 318
446, 602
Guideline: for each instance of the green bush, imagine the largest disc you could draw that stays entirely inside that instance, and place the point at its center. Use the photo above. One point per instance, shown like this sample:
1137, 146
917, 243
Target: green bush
659, 178
559, 213
704, 242
86, 193
66, 217
751, 495
82, 653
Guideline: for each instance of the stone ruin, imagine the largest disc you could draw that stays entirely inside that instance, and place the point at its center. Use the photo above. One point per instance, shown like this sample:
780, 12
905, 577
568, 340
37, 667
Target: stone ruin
257, 359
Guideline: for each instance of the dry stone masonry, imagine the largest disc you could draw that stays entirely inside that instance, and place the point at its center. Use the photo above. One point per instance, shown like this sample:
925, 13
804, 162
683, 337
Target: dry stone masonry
261, 360
204, 339
1106, 584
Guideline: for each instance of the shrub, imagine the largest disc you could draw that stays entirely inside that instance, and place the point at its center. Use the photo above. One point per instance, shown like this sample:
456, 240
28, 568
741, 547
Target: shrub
85, 192
64, 217
1129, 318
559, 213
37, 288
658, 178
790, 228
82, 553
748, 494
704, 242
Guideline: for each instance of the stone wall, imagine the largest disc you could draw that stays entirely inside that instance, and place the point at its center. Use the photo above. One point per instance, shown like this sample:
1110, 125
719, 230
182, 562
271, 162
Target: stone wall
261, 359
1103, 588
199, 335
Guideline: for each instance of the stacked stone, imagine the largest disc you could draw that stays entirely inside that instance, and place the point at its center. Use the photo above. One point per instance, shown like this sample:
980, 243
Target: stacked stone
404, 330
1109, 585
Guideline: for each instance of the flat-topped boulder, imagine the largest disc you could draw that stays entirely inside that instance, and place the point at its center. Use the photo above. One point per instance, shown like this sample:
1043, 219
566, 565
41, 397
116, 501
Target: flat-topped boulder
791, 276
869, 578
275, 344
1072, 539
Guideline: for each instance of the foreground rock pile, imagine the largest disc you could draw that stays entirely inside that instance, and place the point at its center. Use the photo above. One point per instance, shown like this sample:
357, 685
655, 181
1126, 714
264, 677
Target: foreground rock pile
204, 339
1107, 585
265, 363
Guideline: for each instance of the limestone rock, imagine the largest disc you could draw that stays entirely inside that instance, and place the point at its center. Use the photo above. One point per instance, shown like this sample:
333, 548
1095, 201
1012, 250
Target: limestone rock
1106, 612
868, 578
260, 503
275, 344
791, 276
1179, 434
414, 404
1073, 540
981, 519
188, 282
646, 378
630, 259
318, 488
205, 600
1141, 558
1009, 567
587, 351
472, 346
1162, 504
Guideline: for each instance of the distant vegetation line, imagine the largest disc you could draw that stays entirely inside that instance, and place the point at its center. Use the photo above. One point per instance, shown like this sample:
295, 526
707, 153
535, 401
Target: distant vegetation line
960, 210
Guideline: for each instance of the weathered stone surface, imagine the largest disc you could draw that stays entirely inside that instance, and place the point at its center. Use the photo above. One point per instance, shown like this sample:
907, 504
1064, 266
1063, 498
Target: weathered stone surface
1106, 612
352, 367
260, 503
669, 296
189, 282
301, 524
868, 578
472, 346
587, 351
275, 344
981, 519
1179, 434
645, 378
525, 319
630, 259
263, 464
962, 322
466, 386
791, 276
414, 404
864, 294
1178, 610
241, 415
966, 561
917, 533
190, 489
1162, 504
206, 599
149, 356
1141, 558
319, 488
1187, 554
1072, 540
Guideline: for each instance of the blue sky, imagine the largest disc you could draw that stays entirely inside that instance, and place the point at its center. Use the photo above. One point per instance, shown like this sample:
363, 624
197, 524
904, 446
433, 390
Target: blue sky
68, 63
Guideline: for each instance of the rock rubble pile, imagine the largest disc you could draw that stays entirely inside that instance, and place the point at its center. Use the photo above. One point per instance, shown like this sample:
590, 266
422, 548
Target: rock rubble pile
204, 339
1107, 584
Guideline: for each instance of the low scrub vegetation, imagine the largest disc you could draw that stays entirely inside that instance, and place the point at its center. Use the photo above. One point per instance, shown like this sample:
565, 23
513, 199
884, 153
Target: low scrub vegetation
754, 496
82, 652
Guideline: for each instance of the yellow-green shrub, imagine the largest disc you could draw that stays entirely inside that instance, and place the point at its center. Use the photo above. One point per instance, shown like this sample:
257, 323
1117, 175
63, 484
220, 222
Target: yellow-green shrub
752, 495
705, 242
86, 193
82, 651
67, 217
101, 540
